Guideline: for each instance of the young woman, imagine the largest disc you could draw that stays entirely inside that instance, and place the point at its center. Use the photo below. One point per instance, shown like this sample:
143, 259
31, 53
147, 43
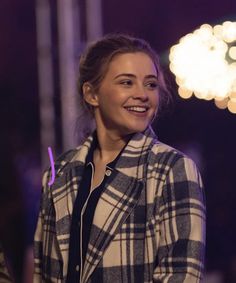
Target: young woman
124, 207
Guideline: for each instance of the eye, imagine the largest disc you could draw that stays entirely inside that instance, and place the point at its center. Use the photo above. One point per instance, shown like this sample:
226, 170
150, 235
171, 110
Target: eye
152, 85
126, 82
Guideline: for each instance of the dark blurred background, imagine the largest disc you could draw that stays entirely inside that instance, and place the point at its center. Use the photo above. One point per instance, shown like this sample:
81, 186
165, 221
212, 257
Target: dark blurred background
194, 126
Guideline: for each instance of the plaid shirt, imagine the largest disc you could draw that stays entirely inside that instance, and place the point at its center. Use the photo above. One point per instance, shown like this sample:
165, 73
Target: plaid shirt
149, 223
4, 275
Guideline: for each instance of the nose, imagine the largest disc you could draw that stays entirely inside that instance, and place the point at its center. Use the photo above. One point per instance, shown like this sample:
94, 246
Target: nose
140, 93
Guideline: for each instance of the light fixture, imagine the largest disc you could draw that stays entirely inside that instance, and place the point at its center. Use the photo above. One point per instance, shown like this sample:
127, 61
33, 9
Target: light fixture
204, 63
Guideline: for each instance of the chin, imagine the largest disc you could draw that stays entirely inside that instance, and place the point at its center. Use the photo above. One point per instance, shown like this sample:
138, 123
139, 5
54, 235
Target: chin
137, 129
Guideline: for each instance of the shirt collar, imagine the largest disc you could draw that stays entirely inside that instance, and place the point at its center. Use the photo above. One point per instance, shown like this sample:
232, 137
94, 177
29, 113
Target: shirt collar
94, 145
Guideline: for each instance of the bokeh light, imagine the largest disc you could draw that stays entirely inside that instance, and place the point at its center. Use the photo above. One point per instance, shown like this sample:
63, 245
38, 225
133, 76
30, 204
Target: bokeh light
204, 63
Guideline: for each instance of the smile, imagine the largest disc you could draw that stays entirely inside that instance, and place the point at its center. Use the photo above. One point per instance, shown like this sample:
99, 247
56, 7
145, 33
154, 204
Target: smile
137, 109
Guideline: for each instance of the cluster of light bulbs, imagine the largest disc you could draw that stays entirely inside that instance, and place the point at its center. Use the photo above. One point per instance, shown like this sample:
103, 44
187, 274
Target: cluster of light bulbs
204, 64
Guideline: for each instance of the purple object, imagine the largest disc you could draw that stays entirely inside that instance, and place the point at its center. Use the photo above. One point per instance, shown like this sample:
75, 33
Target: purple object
52, 166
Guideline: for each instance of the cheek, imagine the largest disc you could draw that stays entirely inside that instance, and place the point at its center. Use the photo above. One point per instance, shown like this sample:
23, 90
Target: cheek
155, 100
108, 104
113, 98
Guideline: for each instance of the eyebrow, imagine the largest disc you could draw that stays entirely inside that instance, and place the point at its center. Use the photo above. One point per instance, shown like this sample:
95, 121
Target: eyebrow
133, 76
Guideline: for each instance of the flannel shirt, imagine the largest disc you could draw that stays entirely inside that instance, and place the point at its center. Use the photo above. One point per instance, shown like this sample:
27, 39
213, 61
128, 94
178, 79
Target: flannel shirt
4, 275
148, 226
81, 227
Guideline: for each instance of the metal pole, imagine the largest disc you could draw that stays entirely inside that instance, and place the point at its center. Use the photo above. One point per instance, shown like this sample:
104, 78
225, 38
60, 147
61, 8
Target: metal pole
65, 11
45, 79
94, 19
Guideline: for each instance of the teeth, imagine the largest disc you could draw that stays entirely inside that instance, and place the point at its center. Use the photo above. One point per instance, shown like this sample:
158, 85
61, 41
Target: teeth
137, 109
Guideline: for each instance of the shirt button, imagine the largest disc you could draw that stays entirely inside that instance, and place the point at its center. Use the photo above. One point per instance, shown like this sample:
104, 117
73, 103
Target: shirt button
108, 172
77, 268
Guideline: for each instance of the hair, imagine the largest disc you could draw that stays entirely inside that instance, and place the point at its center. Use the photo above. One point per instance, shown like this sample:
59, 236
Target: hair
93, 66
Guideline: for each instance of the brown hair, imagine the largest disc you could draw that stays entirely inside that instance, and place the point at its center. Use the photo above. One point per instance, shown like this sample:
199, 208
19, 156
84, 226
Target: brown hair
94, 63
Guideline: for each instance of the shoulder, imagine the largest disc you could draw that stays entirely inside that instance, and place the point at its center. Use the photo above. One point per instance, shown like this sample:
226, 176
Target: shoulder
172, 161
73, 156
162, 157
158, 151
161, 152
61, 164
66, 157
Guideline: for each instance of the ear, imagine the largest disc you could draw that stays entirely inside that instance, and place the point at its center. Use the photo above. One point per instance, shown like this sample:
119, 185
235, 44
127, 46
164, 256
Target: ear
89, 95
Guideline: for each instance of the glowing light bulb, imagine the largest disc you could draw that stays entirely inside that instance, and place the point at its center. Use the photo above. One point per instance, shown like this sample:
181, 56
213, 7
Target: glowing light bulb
233, 96
185, 93
229, 31
232, 52
221, 104
232, 106
200, 64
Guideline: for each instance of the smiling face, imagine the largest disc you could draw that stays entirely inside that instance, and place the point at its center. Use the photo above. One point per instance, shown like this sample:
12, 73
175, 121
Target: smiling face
127, 98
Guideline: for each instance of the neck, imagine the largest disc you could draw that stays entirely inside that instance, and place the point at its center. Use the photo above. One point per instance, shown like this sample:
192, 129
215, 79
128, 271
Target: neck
109, 145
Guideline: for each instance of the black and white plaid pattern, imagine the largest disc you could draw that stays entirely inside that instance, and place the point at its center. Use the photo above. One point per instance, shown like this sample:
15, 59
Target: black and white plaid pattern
4, 274
149, 223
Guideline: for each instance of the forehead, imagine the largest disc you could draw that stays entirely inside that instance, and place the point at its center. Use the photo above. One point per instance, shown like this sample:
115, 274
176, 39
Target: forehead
135, 63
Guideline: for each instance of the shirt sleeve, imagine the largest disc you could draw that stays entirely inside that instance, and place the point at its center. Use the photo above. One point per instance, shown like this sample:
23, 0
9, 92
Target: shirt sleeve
181, 216
38, 237
4, 275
